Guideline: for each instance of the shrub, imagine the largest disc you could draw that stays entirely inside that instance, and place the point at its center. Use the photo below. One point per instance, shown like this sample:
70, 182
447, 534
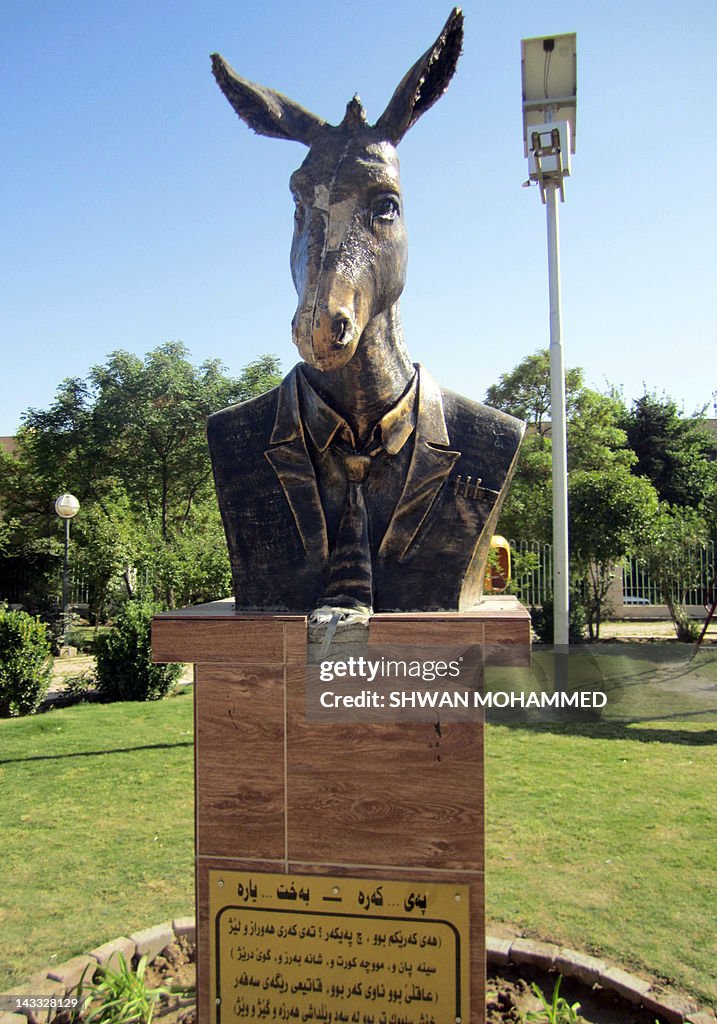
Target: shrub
124, 667
83, 638
542, 620
80, 687
25, 663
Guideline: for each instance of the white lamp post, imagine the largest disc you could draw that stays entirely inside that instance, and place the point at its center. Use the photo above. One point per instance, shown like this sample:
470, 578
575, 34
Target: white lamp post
67, 506
549, 104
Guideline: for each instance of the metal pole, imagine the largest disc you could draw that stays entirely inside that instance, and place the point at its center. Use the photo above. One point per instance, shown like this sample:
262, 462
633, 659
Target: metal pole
66, 586
561, 581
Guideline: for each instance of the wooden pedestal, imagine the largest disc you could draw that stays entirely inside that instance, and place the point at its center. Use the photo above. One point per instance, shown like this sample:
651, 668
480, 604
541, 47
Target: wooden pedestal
278, 793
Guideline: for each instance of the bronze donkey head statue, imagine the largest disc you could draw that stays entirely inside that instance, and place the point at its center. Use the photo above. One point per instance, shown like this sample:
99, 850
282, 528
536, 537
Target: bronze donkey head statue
358, 483
349, 250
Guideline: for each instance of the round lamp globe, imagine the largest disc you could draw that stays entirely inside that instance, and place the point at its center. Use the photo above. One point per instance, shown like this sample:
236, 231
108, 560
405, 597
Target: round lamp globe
67, 506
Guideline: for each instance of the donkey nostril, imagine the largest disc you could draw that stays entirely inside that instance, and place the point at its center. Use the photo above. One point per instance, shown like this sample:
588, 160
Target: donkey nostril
341, 330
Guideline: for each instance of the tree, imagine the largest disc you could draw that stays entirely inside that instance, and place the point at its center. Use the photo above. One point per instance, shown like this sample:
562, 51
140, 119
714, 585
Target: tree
676, 453
525, 391
612, 513
595, 441
527, 513
609, 508
671, 554
129, 442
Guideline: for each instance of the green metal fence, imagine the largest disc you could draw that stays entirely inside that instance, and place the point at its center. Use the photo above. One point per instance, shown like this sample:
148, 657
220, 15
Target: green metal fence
534, 587
638, 586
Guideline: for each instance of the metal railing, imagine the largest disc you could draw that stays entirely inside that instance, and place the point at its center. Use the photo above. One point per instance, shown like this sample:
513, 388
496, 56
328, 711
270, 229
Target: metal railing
638, 586
532, 588
700, 562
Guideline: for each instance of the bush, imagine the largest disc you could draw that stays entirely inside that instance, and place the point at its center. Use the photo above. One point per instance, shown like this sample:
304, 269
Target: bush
25, 663
85, 637
542, 620
80, 687
124, 667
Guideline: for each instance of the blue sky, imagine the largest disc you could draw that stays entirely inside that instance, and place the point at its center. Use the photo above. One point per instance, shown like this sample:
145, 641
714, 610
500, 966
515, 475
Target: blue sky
138, 209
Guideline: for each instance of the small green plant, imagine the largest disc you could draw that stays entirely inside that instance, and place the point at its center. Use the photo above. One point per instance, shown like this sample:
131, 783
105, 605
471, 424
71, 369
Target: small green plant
25, 663
557, 1011
124, 659
119, 997
524, 564
687, 629
542, 620
83, 638
79, 687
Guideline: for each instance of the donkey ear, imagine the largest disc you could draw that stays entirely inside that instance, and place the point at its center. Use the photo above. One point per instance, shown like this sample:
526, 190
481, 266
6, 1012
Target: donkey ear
265, 111
425, 83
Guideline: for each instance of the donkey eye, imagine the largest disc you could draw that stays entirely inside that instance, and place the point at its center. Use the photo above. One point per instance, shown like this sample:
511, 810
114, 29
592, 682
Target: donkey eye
298, 209
385, 208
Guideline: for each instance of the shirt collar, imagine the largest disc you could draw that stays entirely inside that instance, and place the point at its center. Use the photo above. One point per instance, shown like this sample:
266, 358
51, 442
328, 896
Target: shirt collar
324, 424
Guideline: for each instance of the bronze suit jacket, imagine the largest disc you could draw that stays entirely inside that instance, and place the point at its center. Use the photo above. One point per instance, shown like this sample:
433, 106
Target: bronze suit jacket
432, 555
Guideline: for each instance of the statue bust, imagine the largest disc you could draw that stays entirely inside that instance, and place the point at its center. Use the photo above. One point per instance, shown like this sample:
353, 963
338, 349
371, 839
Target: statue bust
358, 484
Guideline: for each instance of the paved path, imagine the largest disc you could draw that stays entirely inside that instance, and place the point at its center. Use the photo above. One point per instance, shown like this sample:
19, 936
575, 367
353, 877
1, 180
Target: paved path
642, 629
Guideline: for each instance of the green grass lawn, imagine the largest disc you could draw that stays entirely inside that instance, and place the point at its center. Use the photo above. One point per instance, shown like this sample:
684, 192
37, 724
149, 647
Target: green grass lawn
604, 838
601, 836
96, 833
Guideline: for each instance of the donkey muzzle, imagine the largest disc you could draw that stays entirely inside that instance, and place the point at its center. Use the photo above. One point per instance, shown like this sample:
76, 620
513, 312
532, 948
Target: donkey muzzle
326, 341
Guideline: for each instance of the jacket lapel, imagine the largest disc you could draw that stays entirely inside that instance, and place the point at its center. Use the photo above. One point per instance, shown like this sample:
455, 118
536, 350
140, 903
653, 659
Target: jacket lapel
290, 460
430, 465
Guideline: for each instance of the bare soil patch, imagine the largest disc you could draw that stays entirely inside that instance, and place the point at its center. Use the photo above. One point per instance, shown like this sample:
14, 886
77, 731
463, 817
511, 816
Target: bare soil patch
509, 994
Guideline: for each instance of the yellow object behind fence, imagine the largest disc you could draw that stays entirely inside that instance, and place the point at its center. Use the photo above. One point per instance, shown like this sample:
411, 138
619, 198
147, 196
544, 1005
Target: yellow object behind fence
497, 572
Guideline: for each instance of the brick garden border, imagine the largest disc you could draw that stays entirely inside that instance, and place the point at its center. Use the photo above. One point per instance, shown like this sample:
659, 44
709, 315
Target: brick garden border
63, 979
591, 971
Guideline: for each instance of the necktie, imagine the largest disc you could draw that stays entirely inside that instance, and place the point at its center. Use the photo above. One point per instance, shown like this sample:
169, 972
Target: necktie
350, 577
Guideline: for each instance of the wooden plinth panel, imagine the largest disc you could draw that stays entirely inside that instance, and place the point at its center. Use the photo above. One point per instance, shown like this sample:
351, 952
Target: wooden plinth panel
272, 786
404, 794
240, 774
276, 792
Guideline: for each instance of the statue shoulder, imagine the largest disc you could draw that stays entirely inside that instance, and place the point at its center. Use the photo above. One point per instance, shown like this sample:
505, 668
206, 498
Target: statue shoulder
481, 423
253, 413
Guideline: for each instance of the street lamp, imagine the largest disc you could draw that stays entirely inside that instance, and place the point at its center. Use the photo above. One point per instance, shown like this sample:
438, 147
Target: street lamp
67, 506
549, 78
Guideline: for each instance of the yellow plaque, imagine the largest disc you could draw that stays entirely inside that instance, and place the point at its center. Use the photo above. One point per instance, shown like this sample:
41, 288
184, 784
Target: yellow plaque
338, 950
